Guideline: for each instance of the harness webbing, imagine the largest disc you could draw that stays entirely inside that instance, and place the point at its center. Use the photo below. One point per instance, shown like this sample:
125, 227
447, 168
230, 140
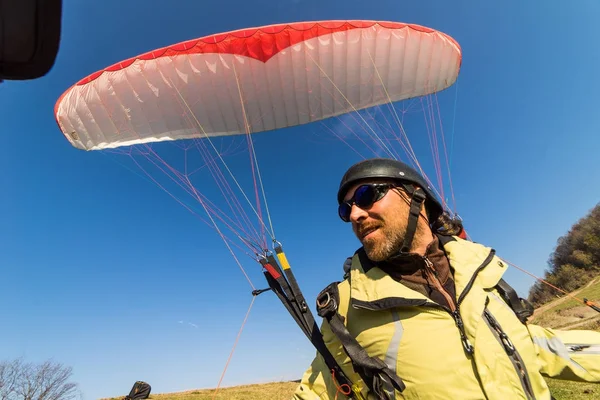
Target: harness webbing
288, 292
417, 199
521, 307
380, 379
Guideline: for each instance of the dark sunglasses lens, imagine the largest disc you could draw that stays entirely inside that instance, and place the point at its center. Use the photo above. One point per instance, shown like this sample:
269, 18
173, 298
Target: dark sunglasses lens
365, 196
344, 211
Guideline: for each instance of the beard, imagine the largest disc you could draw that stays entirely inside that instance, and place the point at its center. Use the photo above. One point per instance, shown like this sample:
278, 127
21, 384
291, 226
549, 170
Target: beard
383, 243
386, 239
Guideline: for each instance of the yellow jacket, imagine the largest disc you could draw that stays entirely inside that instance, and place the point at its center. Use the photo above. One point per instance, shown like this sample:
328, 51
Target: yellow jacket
423, 345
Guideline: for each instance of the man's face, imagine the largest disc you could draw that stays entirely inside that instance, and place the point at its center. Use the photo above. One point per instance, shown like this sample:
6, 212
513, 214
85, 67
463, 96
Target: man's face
381, 228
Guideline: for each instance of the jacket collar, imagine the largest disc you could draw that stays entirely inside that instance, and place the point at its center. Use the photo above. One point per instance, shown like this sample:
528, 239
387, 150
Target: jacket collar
466, 259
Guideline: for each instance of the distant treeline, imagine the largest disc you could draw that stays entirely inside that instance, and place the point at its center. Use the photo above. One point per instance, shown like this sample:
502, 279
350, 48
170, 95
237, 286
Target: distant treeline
575, 260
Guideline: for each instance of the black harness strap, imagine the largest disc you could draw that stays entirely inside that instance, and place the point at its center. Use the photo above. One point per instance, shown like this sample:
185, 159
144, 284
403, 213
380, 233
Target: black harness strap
521, 307
289, 295
417, 199
380, 379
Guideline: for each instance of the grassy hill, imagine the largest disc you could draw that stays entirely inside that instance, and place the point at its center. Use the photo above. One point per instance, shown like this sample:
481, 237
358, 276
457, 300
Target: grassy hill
562, 313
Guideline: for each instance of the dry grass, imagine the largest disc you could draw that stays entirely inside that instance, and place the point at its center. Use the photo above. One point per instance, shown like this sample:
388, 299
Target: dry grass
561, 390
266, 391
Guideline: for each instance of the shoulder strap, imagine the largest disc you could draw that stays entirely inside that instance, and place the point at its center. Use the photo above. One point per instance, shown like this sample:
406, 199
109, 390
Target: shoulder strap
521, 307
347, 267
379, 378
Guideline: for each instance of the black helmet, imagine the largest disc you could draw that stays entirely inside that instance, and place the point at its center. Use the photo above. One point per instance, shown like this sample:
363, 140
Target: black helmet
389, 169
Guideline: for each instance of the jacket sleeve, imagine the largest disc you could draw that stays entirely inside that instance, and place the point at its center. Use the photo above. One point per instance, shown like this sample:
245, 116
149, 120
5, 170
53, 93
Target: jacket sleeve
570, 355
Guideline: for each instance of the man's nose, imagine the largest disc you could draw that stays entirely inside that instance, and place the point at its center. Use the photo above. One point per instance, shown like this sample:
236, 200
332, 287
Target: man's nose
357, 213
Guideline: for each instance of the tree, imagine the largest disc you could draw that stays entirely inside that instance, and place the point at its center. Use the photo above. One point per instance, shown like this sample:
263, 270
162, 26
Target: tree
9, 378
574, 261
28, 381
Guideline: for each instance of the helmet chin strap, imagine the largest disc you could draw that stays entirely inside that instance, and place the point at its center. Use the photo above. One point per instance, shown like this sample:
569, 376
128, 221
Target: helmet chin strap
416, 201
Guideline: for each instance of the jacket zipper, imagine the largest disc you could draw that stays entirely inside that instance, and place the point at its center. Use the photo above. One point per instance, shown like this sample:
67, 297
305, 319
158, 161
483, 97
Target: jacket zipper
511, 351
432, 276
454, 310
487, 260
459, 322
455, 315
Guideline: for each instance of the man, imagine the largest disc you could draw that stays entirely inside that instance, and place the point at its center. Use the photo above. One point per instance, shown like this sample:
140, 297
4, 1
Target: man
424, 314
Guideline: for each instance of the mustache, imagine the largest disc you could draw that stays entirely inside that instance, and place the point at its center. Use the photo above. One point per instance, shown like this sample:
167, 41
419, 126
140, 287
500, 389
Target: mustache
361, 230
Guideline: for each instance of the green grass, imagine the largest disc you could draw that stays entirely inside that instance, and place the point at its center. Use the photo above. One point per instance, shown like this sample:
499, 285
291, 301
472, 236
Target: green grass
591, 292
566, 390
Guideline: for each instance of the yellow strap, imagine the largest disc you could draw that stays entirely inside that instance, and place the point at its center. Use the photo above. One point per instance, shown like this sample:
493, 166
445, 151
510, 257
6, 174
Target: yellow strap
283, 260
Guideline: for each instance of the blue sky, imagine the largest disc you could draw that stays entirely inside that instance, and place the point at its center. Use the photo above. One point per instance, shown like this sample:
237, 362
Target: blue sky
104, 272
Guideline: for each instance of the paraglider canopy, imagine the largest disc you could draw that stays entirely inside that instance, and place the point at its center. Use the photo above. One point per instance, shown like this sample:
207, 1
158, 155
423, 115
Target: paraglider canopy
256, 80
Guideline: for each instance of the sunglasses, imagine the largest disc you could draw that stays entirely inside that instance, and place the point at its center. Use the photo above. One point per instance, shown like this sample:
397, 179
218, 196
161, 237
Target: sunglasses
364, 197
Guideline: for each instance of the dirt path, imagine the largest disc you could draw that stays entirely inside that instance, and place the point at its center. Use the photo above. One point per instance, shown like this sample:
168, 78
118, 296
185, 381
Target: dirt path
562, 299
580, 323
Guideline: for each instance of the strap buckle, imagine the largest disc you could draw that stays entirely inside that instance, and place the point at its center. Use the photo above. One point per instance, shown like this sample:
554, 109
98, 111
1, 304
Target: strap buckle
327, 301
